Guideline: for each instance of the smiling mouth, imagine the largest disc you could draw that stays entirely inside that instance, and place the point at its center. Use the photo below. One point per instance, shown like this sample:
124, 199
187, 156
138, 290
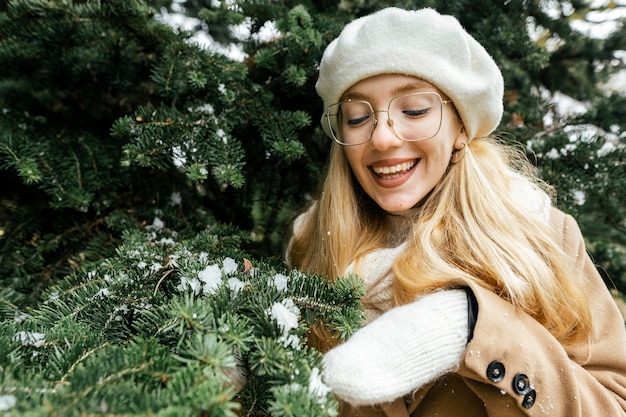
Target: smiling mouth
393, 171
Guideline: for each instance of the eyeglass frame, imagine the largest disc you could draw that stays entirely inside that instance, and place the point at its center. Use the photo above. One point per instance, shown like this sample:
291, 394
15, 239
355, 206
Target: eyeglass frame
390, 122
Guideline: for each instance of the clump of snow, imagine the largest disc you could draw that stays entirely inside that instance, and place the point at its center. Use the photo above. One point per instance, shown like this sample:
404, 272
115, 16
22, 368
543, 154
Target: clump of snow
553, 154
173, 261
236, 285
179, 157
316, 385
101, 294
166, 241
201, 37
286, 315
142, 306
280, 282
20, 317
7, 402
30, 338
123, 309
606, 149
220, 133
568, 106
579, 197
157, 224
206, 108
211, 276
176, 199
52, 297
192, 284
600, 24
583, 132
229, 266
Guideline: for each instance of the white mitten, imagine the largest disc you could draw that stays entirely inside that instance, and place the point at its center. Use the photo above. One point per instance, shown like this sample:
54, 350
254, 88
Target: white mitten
402, 350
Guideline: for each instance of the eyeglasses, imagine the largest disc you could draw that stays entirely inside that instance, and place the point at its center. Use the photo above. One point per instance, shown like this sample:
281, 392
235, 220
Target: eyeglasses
411, 117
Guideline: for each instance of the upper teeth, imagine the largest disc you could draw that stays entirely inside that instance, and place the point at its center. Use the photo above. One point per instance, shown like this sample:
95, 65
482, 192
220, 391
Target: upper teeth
405, 166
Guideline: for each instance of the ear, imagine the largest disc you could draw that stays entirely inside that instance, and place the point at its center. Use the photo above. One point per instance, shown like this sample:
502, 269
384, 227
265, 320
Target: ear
461, 139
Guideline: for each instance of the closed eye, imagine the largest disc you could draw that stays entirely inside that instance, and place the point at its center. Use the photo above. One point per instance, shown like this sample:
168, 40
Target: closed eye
357, 121
416, 112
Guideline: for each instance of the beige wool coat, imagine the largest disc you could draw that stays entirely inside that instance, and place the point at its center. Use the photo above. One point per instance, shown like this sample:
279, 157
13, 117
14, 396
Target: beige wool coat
513, 366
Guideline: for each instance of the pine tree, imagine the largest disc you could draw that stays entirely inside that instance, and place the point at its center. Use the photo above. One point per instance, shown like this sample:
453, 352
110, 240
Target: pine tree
175, 328
149, 183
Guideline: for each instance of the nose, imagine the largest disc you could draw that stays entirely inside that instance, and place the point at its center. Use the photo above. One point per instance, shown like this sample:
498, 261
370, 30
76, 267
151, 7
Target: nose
383, 136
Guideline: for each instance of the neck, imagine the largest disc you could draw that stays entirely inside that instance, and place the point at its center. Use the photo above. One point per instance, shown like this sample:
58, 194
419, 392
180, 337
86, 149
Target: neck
401, 223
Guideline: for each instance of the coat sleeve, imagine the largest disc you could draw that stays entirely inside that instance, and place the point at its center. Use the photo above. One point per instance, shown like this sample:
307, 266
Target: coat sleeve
513, 359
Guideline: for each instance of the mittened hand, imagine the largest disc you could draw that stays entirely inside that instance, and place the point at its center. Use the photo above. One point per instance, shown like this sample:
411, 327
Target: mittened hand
402, 350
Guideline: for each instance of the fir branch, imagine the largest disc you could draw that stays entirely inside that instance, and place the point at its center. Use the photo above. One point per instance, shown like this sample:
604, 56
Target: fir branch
165, 275
78, 361
78, 396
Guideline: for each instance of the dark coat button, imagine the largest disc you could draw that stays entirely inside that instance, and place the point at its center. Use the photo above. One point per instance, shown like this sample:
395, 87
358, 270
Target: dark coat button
495, 371
521, 384
529, 398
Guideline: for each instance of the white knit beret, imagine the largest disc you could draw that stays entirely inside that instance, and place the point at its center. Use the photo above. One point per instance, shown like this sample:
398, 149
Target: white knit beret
424, 44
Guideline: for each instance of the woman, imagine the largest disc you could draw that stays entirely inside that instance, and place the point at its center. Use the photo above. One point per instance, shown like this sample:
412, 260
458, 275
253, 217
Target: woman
481, 299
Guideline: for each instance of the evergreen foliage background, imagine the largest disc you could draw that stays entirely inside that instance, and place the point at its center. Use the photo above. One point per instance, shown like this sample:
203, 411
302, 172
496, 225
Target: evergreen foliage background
139, 169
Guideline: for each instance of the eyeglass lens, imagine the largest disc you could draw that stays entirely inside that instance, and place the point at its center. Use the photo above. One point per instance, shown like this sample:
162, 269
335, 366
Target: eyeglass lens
413, 117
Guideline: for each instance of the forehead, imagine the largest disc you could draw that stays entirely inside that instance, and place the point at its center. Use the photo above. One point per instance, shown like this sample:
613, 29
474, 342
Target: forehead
388, 85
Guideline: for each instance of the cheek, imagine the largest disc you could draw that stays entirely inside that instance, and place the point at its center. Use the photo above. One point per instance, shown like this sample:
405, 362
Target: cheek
439, 153
445, 145
353, 158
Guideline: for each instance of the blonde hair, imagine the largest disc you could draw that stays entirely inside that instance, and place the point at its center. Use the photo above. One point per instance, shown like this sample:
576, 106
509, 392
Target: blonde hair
467, 228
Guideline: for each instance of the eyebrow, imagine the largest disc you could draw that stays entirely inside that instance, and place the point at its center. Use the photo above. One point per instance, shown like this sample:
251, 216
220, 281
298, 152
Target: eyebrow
406, 88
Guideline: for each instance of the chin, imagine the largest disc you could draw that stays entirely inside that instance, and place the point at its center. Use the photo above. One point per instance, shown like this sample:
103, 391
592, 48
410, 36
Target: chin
396, 208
